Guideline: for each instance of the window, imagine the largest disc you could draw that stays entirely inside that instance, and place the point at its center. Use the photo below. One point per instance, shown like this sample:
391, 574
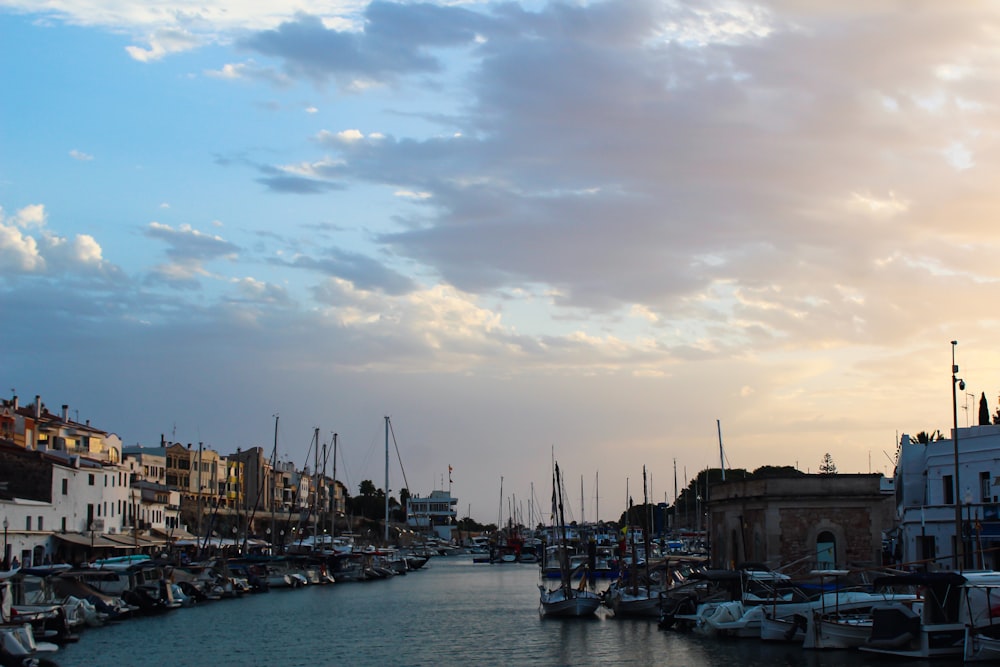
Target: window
984, 487
41, 523
27, 523
105, 481
64, 524
65, 487
91, 480
949, 489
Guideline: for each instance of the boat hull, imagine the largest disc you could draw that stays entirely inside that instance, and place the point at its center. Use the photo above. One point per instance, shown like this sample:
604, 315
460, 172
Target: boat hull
561, 602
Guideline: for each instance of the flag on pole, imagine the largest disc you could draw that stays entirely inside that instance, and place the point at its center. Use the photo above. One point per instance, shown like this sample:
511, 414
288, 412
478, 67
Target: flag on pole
449, 474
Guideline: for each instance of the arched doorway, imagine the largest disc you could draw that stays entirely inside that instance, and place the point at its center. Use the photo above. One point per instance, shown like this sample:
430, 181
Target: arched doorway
826, 551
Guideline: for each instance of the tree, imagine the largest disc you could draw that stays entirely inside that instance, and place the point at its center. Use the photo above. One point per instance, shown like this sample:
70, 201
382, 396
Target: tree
827, 466
367, 488
984, 411
404, 497
772, 472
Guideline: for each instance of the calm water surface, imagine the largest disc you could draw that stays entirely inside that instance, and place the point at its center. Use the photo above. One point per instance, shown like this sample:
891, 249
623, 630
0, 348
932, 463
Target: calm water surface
452, 612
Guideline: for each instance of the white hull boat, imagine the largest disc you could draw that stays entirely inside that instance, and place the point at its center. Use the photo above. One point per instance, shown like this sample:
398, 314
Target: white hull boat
565, 601
937, 627
981, 648
625, 601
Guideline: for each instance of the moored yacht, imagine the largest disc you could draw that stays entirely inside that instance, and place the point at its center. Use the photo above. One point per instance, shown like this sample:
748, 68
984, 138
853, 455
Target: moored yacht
936, 626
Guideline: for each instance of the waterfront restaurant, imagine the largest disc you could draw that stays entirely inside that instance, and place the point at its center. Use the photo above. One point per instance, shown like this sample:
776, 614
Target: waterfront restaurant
432, 514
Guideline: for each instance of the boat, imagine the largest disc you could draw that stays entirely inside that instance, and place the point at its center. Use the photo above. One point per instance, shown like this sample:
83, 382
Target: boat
839, 617
628, 596
626, 600
980, 647
142, 584
848, 622
733, 601
982, 634
17, 640
565, 600
936, 626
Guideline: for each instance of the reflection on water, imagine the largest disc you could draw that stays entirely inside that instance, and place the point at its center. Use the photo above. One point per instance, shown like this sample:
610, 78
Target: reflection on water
452, 612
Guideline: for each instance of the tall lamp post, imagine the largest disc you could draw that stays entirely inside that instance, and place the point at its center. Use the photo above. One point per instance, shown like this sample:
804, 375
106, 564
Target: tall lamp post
6, 560
959, 557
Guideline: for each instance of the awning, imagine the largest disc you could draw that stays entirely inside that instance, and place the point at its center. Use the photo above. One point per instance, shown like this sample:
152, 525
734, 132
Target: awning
96, 541
135, 541
175, 534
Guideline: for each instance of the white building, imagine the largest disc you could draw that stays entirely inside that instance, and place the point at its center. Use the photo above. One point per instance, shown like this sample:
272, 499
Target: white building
65, 503
434, 513
925, 499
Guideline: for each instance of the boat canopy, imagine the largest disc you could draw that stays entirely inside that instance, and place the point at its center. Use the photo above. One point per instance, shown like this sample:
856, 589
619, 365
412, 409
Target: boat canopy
920, 579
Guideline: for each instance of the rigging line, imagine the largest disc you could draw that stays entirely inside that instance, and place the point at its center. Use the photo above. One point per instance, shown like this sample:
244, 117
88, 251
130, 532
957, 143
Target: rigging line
313, 441
374, 442
347, 472
393, 433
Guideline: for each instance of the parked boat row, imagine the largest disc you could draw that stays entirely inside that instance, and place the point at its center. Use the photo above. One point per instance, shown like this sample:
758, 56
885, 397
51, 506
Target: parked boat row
45, 607
909, 615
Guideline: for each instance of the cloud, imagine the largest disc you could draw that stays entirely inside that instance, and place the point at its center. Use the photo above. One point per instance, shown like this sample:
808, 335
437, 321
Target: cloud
81, 156
361, 271
607, 149
189, 250
397, 39
27, 246
251, 71
163, 43
18, 251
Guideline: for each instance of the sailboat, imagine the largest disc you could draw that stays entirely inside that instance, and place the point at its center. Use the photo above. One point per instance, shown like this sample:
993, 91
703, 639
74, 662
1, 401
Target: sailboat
632, 598
566, 600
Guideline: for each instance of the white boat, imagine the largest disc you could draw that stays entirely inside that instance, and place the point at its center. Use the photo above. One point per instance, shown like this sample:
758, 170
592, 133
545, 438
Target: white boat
978, 647
789, 628
565, 600
18, 641
982, 634
736, 607
847, 622
936, 627
625, 600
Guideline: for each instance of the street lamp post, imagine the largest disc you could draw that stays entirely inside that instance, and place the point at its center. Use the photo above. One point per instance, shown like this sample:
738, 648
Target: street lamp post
6, 559
959, 556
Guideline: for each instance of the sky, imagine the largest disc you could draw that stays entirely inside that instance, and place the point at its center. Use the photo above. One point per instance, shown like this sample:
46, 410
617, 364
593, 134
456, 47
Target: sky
596, 232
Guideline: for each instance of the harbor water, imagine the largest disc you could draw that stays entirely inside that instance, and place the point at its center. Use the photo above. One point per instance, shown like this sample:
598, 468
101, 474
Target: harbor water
452, 612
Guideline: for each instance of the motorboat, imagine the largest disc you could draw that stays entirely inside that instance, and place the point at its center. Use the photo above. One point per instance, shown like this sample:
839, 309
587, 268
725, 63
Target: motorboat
935, 627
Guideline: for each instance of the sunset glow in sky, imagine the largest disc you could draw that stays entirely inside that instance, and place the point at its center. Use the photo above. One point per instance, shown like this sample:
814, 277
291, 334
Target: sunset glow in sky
587, 229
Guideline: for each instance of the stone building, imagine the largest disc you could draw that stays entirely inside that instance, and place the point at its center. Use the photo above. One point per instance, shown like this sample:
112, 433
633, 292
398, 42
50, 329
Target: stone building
801, 523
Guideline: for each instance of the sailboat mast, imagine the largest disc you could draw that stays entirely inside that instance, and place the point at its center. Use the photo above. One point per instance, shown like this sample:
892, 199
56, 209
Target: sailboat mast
387, 481
722, 455
274, 462
333, 509
323, 478
315, 485
648, 522
675, 494
597, 497
500, 508
564, 557
582, 504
